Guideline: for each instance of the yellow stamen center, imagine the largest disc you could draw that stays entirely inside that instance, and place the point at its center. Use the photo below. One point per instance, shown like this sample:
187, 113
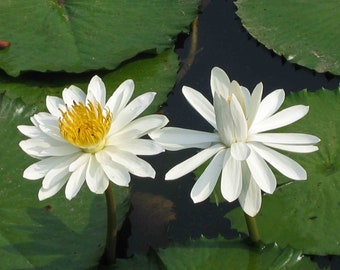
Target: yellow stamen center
85, 126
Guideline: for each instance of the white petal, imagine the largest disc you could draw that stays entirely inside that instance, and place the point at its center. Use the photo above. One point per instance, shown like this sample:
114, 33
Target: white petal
47, 193
206, 183
240, 151
72, 95
54, 104
131, 111
250, 197
58, 172
192, 163
224, 119
255, 101
231, 180
140, 127
280, 119
39, 169
131, 162
239, 120
114, 171
219, 82
282, 163
200, 104
269, 105
180, 138
96, 91
141, 147
294, 148
30, 131
75, 182
246, 98
261, 172
284, 138
95, 179
120, 97
81, 160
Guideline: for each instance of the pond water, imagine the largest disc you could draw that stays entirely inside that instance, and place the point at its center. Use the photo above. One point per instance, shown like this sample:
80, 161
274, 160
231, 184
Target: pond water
223, 42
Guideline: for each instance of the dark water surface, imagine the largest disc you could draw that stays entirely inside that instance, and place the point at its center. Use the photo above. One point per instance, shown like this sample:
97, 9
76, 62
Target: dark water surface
223, 42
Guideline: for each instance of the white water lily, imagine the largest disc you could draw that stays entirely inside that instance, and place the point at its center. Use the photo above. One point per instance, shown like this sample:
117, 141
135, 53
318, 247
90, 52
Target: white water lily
84, 138
240, 147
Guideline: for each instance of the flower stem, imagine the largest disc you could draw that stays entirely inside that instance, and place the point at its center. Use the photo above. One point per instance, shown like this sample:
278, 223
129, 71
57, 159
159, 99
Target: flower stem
252, 228
111, 235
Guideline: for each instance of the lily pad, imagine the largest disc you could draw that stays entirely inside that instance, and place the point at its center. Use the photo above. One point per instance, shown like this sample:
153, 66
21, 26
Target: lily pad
77, 36
306, 214
232, 254
57, 233
304, 32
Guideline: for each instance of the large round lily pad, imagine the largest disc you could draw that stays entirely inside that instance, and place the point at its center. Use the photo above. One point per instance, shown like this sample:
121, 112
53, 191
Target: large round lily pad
304, 32
76, 36
306, 214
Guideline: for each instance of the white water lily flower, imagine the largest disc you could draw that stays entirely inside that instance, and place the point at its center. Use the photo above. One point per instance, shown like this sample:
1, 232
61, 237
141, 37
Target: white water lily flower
82, 138
240, 147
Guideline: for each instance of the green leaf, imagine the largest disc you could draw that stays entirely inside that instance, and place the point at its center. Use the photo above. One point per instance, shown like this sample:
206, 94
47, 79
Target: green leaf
306, 214
77, 36
32, 88
57, 233
232, 254
304, 32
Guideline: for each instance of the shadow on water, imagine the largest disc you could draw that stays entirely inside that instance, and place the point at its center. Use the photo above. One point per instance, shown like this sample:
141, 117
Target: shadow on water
221, 41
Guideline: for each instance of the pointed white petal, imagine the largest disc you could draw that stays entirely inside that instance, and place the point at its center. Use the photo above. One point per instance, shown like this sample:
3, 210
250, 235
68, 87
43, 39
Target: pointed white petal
73, 94
224, 119
246, 98
59, 171
280, 119
117, 174
180, 138
47, 193
219, 82
96, 91
200, 104
282, 163
192, 163
269, 105
261, 172
75, 182
40, 169
239, 120
139, 127
240, 151
206, 183
54, 104
95, 179
250, 197
81, 160
284, 138
294, 148
131, 111
120, 97
231, 180
30, 131
255, 101
141, 147
131, 162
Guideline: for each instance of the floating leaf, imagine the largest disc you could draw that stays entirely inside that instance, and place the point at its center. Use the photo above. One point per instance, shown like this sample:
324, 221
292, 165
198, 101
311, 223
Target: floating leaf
304, 32
77, 36
231, 254
306, 214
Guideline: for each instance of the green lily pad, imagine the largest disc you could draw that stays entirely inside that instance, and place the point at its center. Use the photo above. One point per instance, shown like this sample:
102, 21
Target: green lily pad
232, 254
306, 214
304, 32
76, 36
32, 88
57, 233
